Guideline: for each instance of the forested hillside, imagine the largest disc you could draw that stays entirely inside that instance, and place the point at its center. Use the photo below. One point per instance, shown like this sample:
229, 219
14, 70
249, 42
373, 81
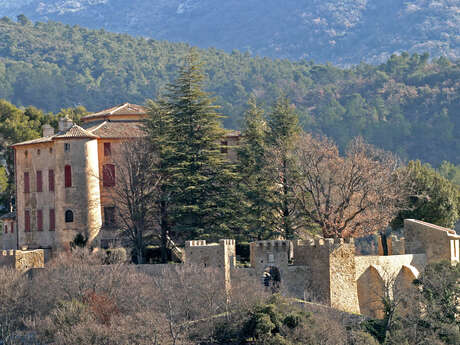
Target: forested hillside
407, 104
342, 32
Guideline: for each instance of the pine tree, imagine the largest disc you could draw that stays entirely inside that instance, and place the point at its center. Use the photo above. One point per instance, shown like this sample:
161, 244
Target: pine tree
255, 186
201, 179
159, 132
283, 129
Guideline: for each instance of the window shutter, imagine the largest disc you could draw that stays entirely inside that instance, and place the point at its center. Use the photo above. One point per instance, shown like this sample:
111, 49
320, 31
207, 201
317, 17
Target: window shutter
52, 220
51, 180
108, 175
68, 176
27, 221
107, 149
6, 228
39, 182
39, 220
26, 183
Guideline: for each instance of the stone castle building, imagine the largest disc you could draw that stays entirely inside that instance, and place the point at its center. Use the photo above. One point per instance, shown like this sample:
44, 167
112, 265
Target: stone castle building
64, 180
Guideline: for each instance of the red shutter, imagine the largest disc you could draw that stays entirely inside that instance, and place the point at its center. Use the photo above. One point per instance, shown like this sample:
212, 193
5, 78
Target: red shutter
52, 220
39, 220
51, 180
39, 182
27, 221
108, 175
26, 183
12, 228
68, 176
107, 149
6, 229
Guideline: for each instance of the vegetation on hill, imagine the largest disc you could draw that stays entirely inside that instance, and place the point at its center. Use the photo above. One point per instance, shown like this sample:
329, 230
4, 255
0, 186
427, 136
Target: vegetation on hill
342, 32
408, 104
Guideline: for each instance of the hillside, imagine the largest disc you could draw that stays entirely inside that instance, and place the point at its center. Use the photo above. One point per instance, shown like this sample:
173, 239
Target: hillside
407, 104
342, 32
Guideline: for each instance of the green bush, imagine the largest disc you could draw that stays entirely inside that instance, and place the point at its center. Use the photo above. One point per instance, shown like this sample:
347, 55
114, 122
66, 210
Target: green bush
115, 256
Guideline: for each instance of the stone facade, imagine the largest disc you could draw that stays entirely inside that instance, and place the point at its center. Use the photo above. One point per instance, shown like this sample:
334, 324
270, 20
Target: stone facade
60, 180
22, 260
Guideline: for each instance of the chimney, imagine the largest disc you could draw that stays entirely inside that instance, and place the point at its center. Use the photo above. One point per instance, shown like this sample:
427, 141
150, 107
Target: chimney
48, 131
65, 123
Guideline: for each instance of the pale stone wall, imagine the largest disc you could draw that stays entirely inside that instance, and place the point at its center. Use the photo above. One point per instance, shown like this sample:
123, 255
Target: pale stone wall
264, 254
83, 198
8, 240
45, 200
22, 260
436, 242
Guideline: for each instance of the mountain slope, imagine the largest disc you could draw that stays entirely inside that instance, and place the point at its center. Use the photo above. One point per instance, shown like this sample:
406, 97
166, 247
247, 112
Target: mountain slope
407, 104
342, 32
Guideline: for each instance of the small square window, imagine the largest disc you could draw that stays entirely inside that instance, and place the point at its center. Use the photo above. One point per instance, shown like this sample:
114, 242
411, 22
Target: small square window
51, 150
107, 149
66, 147
38, 152
26, 153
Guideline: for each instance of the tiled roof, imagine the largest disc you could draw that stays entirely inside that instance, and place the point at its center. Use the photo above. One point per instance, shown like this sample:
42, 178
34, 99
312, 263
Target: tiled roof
74, 132
122, 109
117, 129
34, 141
11, 215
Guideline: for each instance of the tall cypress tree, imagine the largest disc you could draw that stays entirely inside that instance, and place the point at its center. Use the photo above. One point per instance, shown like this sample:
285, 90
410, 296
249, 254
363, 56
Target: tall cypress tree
201, 178
283, 129
255, 187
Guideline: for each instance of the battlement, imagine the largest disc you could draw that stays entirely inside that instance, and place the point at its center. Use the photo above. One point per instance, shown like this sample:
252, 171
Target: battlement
306, 251
272, 244
196, 243
227, 242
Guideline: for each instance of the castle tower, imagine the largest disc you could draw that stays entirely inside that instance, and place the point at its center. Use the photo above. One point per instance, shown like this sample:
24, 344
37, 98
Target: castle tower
332, 268
77, 196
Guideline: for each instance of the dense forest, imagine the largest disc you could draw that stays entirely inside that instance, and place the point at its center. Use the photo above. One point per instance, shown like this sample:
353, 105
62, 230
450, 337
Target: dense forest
342, 32
408, 104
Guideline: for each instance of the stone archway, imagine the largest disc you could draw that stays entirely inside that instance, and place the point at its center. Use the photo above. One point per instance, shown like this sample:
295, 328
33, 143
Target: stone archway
271, 278
403, 286
370, 291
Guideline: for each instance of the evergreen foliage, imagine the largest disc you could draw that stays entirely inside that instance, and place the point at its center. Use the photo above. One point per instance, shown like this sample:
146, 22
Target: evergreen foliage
200, 176
434, 199
408, 105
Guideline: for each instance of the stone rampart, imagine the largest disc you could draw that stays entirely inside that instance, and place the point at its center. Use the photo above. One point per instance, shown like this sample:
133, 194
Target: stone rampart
22, 260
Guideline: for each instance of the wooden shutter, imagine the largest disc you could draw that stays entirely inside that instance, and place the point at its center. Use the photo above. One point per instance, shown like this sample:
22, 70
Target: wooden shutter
39, 181
26, 183
52, 220
51, 180
39, 220
27, 221
68, 176
108, 175
107, 149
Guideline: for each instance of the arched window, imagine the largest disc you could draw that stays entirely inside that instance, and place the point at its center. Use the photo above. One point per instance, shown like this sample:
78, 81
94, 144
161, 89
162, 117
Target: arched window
68, 216
68, 176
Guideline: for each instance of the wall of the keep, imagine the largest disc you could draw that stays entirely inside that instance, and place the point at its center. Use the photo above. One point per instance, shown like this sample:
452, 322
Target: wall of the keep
8, 238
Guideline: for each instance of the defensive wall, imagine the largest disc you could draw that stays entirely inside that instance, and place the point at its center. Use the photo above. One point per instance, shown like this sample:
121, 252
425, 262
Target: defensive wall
324, 271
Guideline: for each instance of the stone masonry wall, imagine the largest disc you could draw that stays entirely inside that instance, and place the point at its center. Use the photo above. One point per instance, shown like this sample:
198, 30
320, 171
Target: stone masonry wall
22, 260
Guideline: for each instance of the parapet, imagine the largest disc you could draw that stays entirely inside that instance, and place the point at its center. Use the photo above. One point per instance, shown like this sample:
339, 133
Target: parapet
271, 244
305, 253
196, 243
227, 242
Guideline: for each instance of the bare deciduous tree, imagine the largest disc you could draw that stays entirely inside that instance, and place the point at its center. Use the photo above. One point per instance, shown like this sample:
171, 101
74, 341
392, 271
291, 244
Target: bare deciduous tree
134, 190
350, 195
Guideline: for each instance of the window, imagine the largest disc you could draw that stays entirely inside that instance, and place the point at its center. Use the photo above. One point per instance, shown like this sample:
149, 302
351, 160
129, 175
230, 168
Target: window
26, 153
108, 175
6, 228
51, 150
26, 183
107, 149
51, 180
12, 228
109, 216
39, 182
52, 220
68, 216
39, 220
66, 147
27, 221
223, 148
68, 176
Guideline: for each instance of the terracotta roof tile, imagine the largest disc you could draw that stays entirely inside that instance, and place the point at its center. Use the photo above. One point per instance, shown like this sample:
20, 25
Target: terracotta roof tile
11, 215
74, 132
122, 109
117, 129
